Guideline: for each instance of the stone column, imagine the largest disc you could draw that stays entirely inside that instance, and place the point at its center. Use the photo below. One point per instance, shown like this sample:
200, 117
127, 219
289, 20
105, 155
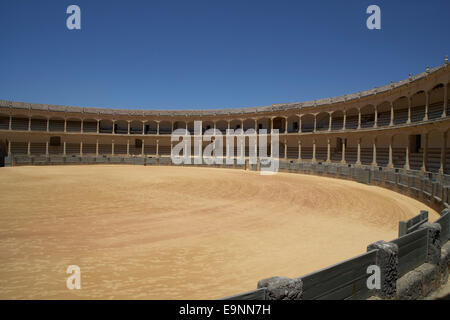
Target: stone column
10, 123
285, 149
64, 148
9, 148
46, 148
271, 125
65, 125
128, 146
330, 123
407, 153
299, 150
29, 148
143, 147
359, 118
129, 125
98, 126
444, 112
48, 125
409, 110
427, 104
96, 148
157, 127
358, 159
286, 126
81, 148
157, 148
443, 155
391, 123
314, 151
143, 128
328, 150
374, 152
315, 122
256, 126
114, 127
387, 261
390, 163
345, 120
112, 147
29, 123
299, 123
343, 161
425, 152
242, 125
82, 126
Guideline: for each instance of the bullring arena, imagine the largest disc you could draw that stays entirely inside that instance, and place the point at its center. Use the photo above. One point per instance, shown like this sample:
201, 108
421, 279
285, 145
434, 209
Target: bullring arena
96, 188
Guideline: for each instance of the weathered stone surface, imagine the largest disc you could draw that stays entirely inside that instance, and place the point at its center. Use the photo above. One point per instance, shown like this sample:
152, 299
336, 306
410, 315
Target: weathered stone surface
434, 242
387, 260
282, 288
444, 265
409, 287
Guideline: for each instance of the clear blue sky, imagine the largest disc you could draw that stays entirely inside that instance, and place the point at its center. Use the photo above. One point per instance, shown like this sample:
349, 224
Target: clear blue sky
212, 54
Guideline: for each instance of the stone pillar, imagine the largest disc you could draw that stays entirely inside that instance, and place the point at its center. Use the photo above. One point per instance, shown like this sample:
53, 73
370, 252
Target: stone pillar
409, 110
271, 125
299, 150
65, 125
143, 147
387, 261
129, 125
390, 163
343, 152
29, 123
444, 112
328, 150
143, 128
64, 148
299, 123
427, 104
98, 126
344, 124
359, 118
157, 148
81, 148
315, 122
29, 148
330, 122
46, 148
425, 152
314, 151
48, 125
9, 148
407, 152
282, 288
285, 149
10, 123
391, 123
242, 125
82, 126
286, 126
112, 147
434, 242
96, 148
358, 159
114, 127
128, 146
374, 152
443, 155
157, 127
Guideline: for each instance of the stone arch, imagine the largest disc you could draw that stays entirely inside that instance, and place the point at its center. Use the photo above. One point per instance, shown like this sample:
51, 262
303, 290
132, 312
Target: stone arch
384, 114
401, 110
322, 121
337, 120
106, 126
418, 101
307, 123
351, 120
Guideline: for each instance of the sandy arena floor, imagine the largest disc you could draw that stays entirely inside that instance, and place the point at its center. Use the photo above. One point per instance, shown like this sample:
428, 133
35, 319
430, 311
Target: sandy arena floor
179, 233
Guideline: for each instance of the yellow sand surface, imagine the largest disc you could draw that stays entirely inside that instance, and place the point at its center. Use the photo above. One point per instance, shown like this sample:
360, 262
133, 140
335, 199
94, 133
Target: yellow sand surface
179, 232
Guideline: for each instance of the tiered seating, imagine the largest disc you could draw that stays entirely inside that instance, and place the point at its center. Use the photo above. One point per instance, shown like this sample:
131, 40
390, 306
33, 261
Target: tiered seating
73, 126
351, 122
415, 160
382, 156
4, 123
135, 151
307, 127
337, 123
55, 149
321, 153
135, 130
307, 153
434, 159
89, 126
89, 148
149, 149
37, 148
164, 150
292, 153
322, 125
435, 110
367, 121
417, 113
19, 123
400, 116
56, 125
165, 131
399, 157
336, 155
19, 147
384, 119
120, 130
72, 148
120, 149
105, 148
366, 155
351, 154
